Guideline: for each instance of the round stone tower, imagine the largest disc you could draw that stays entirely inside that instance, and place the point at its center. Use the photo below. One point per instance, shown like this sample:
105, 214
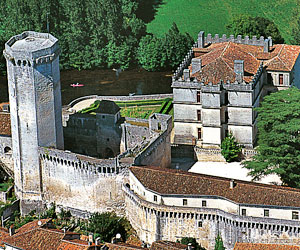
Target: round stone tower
35, 108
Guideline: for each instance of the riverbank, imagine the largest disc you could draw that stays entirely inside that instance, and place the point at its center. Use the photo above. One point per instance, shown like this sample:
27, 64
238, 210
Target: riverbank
105, 82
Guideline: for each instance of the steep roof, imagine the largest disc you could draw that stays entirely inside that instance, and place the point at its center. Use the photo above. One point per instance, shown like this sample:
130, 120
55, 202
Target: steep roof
173, 182
217, 60
260, 246
5, 128
75, 244
107, 107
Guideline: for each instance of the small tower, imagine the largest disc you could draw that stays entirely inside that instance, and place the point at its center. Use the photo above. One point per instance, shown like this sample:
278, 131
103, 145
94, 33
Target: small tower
35, 107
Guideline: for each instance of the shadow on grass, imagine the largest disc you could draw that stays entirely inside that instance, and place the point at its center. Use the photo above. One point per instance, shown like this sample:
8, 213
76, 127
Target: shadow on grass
147, 9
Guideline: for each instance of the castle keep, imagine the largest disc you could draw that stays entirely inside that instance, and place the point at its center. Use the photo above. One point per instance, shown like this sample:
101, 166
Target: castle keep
222, 80
43, 171
35, 104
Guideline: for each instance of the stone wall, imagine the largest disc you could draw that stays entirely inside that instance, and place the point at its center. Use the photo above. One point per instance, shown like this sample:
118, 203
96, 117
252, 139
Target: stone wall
160, 222
82, 183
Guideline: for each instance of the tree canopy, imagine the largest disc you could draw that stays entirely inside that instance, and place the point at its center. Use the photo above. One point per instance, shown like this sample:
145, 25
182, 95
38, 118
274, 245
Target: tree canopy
278, 138
91, 33
246, 25
219, 243
160, 53
193, 242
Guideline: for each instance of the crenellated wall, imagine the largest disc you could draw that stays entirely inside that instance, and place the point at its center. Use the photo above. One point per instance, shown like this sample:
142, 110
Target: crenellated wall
82, 183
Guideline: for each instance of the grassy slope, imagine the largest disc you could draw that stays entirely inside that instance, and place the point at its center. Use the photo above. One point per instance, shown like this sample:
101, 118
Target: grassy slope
212, 16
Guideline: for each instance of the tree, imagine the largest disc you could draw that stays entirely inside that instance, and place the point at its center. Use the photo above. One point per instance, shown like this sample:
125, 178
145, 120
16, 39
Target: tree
187, 240
160, 53
230, 149
246, 25
106, 226
149, 53
219, 243
278, 150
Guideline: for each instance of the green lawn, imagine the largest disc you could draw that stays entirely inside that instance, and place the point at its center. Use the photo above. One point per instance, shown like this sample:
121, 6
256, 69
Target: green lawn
212, 16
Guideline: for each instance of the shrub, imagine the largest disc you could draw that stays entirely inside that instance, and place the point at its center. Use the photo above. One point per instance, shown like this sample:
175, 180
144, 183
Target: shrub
230, 148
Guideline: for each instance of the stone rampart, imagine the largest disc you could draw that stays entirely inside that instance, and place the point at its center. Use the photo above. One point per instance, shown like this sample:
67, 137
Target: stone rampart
160, 222
82, 183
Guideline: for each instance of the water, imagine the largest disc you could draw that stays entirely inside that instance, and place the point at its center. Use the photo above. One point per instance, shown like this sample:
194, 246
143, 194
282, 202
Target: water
106, 82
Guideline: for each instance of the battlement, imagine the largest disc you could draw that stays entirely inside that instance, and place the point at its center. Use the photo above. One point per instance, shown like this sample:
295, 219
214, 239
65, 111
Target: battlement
31, 48
239, 39
79, 162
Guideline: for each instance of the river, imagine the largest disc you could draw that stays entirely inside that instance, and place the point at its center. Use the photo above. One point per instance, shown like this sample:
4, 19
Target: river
106, 82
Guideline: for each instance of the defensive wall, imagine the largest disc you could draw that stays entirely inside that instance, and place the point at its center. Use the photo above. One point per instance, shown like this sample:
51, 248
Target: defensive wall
160, 222
120, 98
82, 183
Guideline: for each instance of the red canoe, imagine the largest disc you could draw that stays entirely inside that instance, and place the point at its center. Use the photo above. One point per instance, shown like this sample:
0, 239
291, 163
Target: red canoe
76, 85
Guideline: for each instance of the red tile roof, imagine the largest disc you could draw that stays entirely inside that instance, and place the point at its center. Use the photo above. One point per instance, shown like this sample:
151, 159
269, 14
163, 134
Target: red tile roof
36, 239
167, 245
5, 128
3, 235
122, 246
260, 246
218, 60
33, 225
171, 181
75, 244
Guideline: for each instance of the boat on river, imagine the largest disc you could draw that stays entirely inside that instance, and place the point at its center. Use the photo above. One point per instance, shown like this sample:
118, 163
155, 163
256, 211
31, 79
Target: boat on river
77, 84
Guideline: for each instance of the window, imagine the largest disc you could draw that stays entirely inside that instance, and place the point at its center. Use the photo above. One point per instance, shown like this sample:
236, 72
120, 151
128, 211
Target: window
155, 197
198, 96
295, 215
199, 115
199, 133
184, 202
243, 211
199, 223
204, 204
266, 213
280, 79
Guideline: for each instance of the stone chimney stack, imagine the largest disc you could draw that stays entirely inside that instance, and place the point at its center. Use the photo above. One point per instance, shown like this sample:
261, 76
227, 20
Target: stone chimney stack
11, 230
190, 247
239, 70
196, 65
201, 39
232, 184
91, 237
186, 74
270, 41
266, 45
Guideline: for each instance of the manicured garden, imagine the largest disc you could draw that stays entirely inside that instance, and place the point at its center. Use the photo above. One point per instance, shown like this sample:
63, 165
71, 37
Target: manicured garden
137, 109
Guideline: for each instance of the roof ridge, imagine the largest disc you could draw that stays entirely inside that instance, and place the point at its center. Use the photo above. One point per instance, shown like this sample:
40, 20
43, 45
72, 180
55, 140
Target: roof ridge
192, 174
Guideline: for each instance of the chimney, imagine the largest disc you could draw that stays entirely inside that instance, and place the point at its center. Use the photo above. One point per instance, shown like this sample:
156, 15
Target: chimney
239, 70
270, 41
232, 184
11, 230
201, 39
90, 243
266, 45
196, 65
190, 247
186, 74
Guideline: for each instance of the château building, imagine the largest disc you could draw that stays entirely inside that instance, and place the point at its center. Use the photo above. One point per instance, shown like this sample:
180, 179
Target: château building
222, 80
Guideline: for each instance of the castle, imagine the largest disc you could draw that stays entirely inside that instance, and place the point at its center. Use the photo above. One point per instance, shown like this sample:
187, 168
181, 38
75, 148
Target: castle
43, 171
221, 81
161, 203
